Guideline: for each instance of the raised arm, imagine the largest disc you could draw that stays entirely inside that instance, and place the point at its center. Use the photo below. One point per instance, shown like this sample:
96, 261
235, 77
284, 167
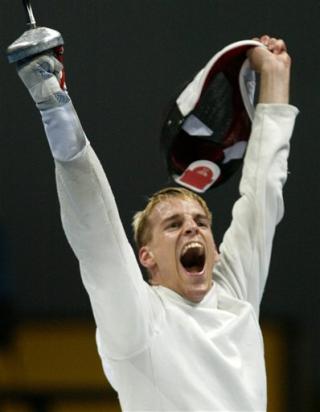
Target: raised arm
247, 244
120, 299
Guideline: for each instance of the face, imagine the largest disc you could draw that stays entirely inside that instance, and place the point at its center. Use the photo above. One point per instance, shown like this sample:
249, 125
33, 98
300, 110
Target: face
181, 253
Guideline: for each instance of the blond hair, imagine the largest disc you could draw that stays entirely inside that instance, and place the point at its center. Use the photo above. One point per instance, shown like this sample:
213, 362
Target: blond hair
141, 223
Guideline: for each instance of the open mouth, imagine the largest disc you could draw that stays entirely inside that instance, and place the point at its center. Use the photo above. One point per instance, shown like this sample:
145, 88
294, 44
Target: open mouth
193, 257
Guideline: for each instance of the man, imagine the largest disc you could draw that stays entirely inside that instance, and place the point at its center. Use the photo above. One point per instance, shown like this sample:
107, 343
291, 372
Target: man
186, 341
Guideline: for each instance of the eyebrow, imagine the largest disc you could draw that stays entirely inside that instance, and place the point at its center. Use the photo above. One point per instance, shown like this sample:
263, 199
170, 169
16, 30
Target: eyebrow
172, 217
179, 216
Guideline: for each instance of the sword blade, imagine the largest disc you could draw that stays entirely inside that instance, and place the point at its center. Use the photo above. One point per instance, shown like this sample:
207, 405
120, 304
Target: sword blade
30, 17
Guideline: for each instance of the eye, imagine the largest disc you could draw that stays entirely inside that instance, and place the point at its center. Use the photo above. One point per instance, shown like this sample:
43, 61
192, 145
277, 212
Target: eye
203, 223
173, 225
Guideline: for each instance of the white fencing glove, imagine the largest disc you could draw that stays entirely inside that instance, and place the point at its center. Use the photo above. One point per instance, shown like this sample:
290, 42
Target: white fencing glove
64, 132
41, 76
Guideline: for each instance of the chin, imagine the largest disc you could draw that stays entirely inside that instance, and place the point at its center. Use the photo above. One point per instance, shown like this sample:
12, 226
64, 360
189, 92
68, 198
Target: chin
196, 293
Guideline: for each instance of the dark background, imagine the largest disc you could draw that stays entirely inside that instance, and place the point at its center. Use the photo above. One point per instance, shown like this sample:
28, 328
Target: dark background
125, 60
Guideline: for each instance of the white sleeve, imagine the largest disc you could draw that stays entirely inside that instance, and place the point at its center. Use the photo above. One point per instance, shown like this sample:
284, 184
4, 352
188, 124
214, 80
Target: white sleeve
247, 244
123, 304
64, 132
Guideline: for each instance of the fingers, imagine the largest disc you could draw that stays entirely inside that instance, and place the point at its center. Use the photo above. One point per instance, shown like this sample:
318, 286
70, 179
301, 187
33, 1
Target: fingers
47, 63
276, 46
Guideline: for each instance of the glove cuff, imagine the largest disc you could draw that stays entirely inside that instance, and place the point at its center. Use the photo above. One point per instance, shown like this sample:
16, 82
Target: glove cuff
64, 131
48, 94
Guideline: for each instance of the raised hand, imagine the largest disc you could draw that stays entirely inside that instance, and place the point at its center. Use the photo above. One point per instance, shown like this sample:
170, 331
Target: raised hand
42, 76
273, 63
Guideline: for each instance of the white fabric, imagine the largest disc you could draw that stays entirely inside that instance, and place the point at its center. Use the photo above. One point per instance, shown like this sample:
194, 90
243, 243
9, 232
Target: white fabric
247, 84
163, 353
41, 76
195, 127
190, 95
44, 89
236, 151
64, 132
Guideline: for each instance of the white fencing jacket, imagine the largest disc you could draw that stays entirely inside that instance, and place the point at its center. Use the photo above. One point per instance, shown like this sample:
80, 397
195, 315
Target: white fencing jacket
159, 351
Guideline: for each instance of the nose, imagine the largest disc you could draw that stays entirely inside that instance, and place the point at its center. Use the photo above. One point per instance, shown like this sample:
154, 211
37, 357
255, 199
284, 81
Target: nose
190, 227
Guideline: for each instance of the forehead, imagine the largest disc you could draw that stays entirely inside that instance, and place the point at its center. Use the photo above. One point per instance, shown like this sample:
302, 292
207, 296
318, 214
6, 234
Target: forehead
176, 206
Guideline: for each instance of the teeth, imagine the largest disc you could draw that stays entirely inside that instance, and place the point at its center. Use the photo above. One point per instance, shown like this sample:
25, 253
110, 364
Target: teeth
192, 245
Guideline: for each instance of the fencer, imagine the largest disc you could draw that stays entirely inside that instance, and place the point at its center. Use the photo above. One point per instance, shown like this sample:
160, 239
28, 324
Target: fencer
188, 339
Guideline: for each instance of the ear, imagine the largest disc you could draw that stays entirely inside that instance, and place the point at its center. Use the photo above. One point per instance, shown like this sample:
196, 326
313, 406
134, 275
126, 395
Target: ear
216, 256
146, 258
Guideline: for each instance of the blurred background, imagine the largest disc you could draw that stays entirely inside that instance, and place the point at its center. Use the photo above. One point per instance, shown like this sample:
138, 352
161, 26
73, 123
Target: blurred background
125, 60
